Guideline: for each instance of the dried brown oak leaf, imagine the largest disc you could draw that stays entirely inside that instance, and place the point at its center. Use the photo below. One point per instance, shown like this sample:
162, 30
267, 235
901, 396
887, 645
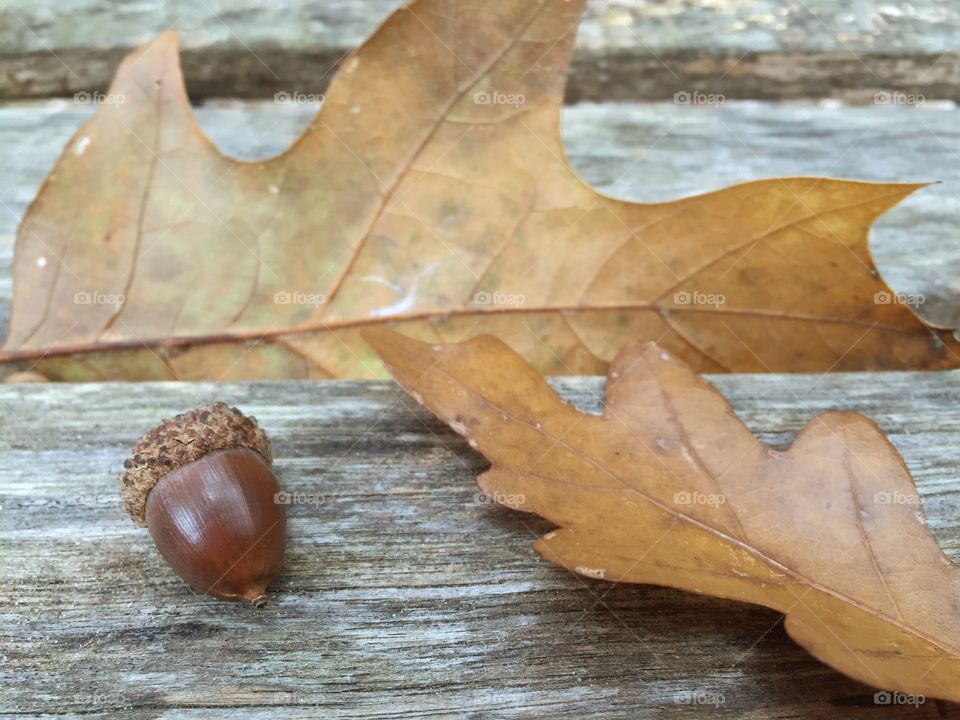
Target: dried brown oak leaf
431, 190
668, 487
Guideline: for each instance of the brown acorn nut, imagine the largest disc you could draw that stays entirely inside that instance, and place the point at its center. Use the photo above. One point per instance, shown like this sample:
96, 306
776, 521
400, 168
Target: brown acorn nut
201, 482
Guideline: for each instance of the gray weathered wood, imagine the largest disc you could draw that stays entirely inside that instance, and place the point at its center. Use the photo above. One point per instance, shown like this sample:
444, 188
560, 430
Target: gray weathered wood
649, 152
627, 49
403, 593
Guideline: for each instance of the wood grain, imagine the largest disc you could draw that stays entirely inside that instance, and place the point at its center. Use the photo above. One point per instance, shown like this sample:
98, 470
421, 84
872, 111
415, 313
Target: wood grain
627, 49
404, 594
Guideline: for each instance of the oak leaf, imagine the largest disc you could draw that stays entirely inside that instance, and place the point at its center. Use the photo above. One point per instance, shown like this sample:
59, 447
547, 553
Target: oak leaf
668, 487
430, 191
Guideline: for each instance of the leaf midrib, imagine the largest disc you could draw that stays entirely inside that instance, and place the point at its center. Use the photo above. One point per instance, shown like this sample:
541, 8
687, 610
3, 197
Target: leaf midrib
318, 327
710, 530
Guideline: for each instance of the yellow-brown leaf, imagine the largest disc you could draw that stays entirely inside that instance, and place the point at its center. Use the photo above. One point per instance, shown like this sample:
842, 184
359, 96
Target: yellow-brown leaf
668, 487
431, 191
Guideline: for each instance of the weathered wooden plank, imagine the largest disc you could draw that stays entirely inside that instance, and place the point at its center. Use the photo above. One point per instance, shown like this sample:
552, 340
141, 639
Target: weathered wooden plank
403, 594
647, 152
628, 49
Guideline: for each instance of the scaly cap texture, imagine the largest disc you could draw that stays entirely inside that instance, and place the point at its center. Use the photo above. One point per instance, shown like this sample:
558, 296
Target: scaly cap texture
182, 440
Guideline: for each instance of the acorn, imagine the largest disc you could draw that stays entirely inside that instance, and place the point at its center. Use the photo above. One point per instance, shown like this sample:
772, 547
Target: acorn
201, 482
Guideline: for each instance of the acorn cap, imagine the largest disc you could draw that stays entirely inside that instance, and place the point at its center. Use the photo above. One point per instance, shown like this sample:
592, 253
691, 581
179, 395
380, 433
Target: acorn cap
182, 440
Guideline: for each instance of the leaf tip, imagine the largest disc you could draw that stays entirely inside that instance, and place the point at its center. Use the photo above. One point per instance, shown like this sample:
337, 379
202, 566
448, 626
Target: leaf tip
400, 354
167, 43
155, 56
385, 342
907, 189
